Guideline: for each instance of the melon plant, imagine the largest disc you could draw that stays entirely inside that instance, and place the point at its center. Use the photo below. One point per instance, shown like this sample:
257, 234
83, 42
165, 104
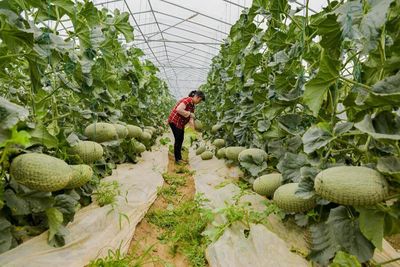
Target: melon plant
81, 174
351, 185
206, 155
200, 149
218, 143
220, 153
122, 131
267, 184
41, 172
232, 152
134, 131
88, 151
101, 132
286, 199
198, 125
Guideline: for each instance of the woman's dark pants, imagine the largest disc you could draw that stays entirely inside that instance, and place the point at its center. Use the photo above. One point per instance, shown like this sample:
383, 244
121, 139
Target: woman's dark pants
178, 135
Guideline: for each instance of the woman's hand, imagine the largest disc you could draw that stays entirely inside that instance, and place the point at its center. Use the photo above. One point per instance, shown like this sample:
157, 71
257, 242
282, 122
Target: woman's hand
192, 116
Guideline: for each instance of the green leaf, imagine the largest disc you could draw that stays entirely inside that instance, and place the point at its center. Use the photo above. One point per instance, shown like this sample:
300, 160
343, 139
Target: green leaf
67, 205
389, 166
315, 138
372, 225
324, 244
306, 185
385, 125
11, 114
121, 23
40, 135
6, 238
342, 259
348, 234
55, 220
290, 166
317, 88
385, 92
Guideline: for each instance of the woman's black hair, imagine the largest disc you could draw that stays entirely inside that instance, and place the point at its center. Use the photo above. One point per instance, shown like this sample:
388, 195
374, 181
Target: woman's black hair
198, 93
192, 93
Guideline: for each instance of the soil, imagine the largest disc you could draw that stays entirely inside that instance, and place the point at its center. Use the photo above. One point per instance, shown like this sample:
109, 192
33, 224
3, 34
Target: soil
394, 240
145, 239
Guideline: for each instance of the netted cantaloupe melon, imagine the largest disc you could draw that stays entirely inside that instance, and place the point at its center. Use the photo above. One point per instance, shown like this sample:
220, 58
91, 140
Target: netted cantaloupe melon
81, 174
152, 129
253, 155
101, 132
139, 147
206, 155
215, 128
200, 150
134, 131
88, 151
218, 143
267, 184
286, 199
41, 172
146, 136
233, 152
198, 125
220, 153
351, 185
122, 131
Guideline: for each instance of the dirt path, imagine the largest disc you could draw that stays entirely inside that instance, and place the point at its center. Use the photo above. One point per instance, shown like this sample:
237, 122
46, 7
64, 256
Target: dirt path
146, 241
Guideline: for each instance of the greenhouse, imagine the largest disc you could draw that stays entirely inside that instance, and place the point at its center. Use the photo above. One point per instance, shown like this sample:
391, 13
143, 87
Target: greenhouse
221, 133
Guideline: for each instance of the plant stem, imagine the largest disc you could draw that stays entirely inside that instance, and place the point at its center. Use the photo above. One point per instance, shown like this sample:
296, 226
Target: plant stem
389, 261
369, 88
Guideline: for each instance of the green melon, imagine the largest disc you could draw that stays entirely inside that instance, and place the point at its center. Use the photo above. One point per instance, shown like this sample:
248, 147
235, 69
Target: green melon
253, 155
351, 185
233, 152
215, 128
41, 172
146, 136
206, 155
218, 143
198, 125
139, 147
267, 184
122, 131
220, 153
101, 132
152, 129
286, 199
81, 174
88, 151
134, 131
200, 150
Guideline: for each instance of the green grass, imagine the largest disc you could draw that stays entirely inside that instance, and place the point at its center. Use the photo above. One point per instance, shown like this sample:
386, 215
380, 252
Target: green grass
174, 179
118, 259
183, 226
107, 193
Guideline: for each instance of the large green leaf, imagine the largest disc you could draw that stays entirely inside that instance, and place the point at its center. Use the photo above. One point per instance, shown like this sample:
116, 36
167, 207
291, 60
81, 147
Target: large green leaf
11, 114
55, 220
348, 234
6, 238
40, 135
372, 225
385, 92
389, 166
290, 166
315, 137
385, 125
316, 89
343, 259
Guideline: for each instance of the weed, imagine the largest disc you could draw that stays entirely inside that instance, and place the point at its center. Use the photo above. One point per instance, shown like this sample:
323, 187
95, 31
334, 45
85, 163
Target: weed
183, 226
106, 193
118, 259
168, 192
165, 141
174, 179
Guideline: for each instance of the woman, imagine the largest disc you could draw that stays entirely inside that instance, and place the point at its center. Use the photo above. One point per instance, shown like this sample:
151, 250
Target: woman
181, 114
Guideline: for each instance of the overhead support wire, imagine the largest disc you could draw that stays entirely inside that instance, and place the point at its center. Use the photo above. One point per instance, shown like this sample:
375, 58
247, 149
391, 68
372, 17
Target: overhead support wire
178, 42
191, 10
151, 50
235, 4
173, 26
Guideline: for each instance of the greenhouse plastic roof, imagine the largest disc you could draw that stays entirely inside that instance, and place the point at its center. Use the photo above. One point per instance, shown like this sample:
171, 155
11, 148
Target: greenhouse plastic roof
182, 36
